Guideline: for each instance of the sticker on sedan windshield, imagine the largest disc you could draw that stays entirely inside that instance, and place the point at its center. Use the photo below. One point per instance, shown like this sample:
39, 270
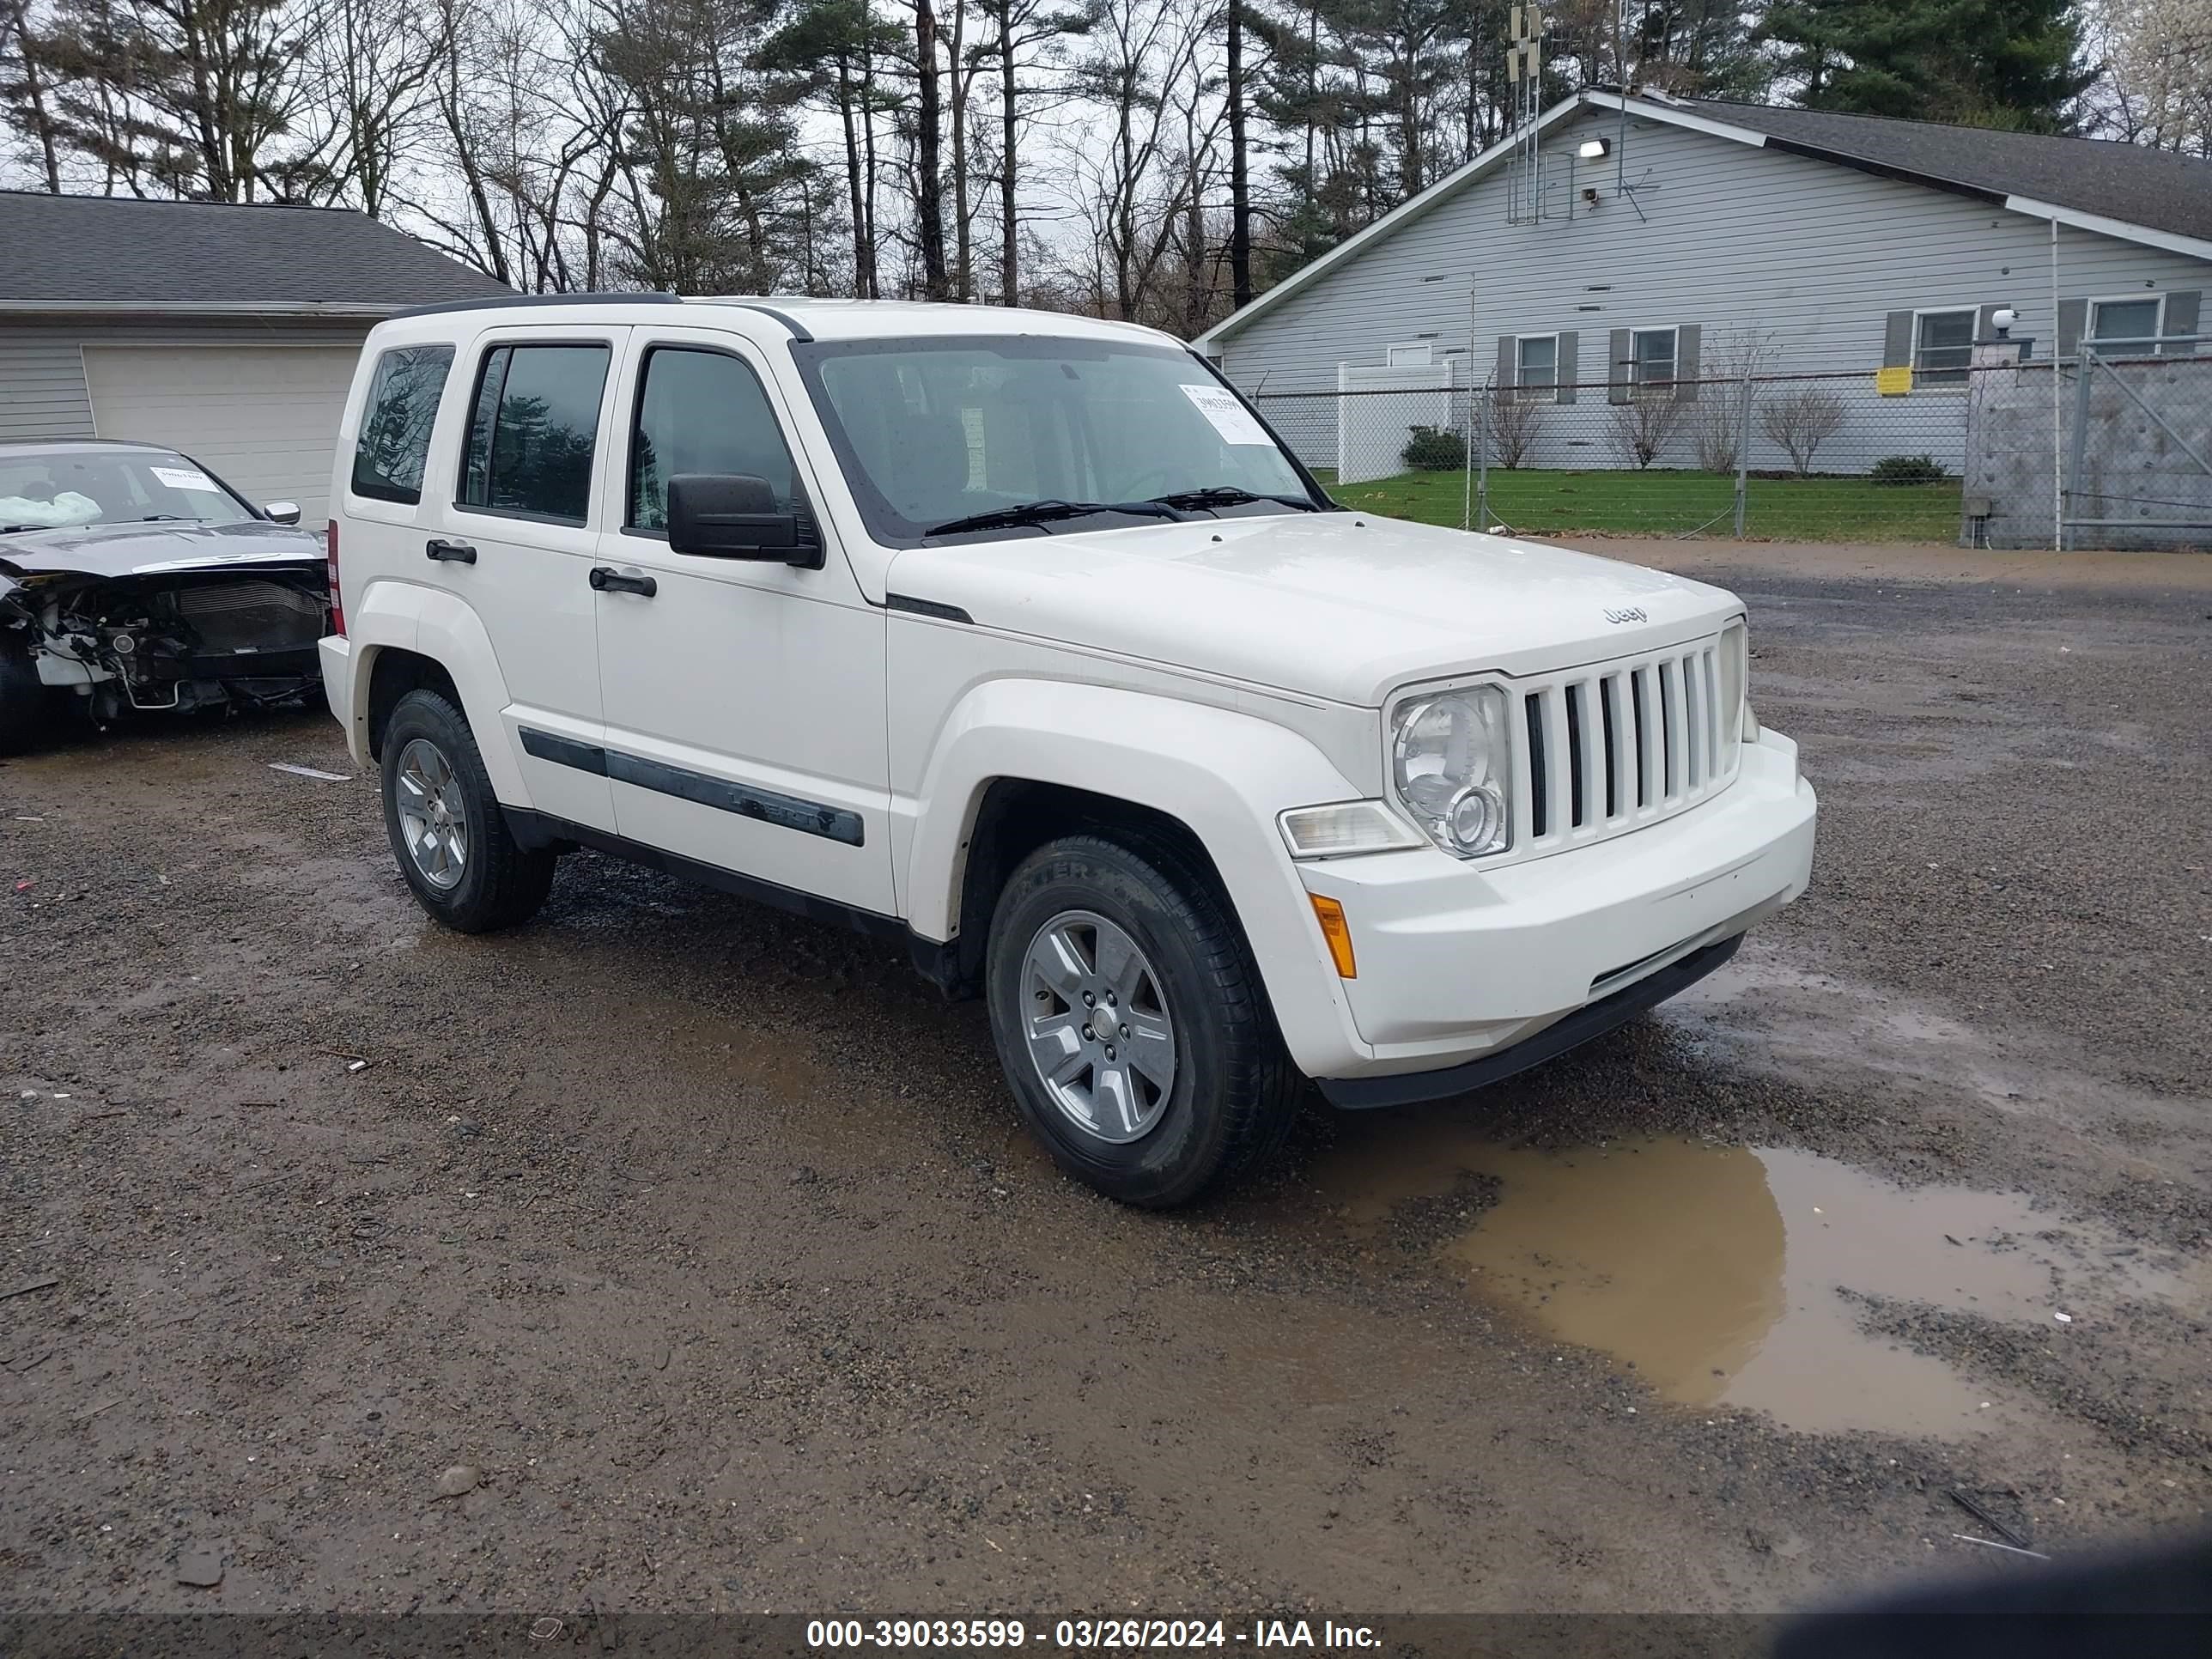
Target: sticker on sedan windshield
1231, 418
178, 477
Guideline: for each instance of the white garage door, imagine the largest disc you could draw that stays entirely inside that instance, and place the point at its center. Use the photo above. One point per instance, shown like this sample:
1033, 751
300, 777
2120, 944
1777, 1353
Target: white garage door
264, 417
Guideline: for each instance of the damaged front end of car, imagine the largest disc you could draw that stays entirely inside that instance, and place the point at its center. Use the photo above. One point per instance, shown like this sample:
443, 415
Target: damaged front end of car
167, 640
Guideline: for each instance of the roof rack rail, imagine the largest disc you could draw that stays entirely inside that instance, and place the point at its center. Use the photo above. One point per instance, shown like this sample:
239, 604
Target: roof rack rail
501, 301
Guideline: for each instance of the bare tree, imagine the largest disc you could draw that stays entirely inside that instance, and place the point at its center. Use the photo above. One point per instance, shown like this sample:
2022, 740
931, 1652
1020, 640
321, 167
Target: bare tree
367, 69
1640, 428
24, 94
1025, 34
1516, 423
1716, 425
1801, 420
1131, 185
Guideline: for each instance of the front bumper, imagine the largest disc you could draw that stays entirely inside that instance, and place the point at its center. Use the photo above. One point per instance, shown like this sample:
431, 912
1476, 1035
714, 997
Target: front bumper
1457, 964
1594, 1020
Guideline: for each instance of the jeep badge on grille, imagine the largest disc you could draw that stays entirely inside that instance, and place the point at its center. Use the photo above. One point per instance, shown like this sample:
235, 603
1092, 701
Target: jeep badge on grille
1633, 614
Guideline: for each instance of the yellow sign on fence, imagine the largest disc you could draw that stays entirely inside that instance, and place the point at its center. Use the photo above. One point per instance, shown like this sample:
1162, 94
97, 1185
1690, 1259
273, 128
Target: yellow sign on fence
1894, 382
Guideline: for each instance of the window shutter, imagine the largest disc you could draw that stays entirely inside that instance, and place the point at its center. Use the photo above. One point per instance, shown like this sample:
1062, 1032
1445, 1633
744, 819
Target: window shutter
1507, 368
1985, 325
1686, 362
2073, 318
1897, 341
2182, 311
1616, 369
1566, 361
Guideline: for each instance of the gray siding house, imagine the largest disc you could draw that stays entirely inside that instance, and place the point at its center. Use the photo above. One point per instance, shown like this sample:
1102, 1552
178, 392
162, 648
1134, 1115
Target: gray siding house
227, 331
1664, 240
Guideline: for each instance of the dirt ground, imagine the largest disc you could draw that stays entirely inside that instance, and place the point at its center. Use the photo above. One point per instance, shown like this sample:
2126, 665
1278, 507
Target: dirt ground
705, 1243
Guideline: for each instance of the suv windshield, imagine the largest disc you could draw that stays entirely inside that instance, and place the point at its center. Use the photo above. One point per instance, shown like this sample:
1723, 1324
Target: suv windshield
959, 436
69, 488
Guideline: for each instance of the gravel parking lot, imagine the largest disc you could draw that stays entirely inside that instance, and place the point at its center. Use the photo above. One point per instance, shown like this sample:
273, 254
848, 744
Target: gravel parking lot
674, 1254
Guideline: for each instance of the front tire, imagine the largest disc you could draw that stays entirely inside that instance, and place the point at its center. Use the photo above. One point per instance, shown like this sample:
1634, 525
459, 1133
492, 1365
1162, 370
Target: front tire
1131, 1022
463, 864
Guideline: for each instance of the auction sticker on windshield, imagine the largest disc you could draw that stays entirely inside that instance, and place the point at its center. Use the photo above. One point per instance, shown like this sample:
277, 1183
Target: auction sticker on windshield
178, 477
1231, 418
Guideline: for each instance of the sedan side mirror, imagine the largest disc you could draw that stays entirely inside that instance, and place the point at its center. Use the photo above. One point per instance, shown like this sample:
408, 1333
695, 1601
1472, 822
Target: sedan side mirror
732, 515
281, 512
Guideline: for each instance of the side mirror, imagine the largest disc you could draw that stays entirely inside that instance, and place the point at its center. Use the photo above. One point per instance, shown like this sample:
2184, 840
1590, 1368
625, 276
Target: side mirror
281, 512
732, 515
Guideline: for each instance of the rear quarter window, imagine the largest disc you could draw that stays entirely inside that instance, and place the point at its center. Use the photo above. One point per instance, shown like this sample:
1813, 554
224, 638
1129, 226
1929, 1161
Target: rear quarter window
395, 429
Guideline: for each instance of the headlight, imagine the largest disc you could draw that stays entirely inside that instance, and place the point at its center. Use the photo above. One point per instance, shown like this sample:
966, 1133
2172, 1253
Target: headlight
1737, 725
1452, 763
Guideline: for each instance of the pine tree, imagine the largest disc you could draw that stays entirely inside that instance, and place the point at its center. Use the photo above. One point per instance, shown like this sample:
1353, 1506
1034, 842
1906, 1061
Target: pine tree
2014, 63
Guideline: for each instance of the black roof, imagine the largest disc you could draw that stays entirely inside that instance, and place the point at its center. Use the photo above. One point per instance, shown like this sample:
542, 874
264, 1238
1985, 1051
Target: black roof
2155, 189
118, 250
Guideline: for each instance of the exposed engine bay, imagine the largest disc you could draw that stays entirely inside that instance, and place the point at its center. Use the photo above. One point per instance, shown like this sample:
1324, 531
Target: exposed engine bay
169, 640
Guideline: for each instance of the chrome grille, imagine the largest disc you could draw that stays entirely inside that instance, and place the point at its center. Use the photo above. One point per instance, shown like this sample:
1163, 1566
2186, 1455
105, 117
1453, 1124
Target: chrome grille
1614, 746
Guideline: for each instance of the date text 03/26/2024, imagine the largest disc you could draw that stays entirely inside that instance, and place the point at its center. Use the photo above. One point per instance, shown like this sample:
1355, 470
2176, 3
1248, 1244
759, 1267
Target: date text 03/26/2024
831, 1634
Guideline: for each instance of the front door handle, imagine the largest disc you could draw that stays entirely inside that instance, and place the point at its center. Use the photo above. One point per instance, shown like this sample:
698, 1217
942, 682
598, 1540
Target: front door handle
607, 581
450, 553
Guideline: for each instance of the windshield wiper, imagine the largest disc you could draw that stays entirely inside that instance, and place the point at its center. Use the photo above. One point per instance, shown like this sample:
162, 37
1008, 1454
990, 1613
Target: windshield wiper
1047, 511
167, 517
1229, 495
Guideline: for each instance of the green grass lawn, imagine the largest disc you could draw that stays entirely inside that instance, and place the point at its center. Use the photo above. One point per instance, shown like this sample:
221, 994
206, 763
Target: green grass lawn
1662, 503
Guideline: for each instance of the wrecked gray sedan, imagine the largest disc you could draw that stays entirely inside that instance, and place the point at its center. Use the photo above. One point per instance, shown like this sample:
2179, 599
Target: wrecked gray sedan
132, 578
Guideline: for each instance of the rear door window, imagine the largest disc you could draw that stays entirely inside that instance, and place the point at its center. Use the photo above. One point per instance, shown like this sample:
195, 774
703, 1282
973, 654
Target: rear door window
532, 431
395, 433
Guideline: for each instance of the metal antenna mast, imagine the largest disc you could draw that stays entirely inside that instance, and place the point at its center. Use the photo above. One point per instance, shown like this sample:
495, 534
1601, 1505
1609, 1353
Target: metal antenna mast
1524, 73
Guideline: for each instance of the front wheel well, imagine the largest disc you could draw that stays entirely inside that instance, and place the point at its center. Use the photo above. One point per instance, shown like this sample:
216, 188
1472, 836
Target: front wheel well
1015, 817
395, 673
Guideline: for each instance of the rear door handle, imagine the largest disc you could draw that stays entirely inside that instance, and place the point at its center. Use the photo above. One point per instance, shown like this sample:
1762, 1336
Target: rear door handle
607, 581
450, 553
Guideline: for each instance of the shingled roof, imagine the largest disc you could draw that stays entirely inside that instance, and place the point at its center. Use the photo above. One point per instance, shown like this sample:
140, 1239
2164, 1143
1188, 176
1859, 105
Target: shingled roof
106, 252
2156, 188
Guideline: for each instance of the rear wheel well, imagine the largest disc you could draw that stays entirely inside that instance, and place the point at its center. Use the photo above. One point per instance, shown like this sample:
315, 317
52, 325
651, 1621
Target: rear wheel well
397, 672
1017, 817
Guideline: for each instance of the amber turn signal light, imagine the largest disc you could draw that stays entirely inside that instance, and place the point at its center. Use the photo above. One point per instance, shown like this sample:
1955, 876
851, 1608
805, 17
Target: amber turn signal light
1338, 933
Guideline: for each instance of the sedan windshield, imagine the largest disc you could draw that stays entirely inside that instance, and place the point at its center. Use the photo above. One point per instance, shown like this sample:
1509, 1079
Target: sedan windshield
71, 488
1012, 435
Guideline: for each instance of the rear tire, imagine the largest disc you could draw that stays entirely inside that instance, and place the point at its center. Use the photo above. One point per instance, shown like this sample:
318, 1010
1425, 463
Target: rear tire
463, 864
1183, 1083
25, 706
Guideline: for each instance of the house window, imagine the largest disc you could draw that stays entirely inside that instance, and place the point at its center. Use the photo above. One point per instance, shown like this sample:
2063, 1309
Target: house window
1651, 358
1419, 354
2126, 320
1536, 362
1943, 347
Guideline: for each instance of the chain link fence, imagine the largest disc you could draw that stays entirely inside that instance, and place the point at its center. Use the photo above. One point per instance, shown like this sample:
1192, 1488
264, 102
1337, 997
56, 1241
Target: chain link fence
1962, 454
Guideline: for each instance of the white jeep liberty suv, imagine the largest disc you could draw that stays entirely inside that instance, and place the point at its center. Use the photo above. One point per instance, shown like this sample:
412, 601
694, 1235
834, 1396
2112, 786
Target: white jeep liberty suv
1021, 638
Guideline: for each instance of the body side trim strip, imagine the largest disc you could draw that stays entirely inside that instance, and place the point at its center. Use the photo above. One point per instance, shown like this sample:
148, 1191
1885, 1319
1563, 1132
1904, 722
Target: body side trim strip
785, 811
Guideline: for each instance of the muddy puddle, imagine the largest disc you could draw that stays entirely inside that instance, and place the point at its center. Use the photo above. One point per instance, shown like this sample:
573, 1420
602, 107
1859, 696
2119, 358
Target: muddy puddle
1725, 1275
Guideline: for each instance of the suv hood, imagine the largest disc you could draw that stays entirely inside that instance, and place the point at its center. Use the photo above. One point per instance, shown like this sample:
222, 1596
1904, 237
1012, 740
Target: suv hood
110, 551
1340, 606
